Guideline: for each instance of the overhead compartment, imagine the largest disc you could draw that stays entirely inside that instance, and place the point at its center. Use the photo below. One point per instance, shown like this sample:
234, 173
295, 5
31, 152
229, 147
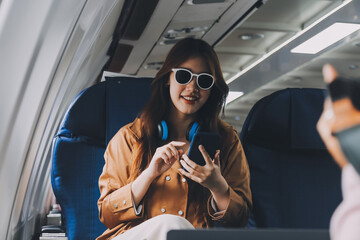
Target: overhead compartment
171, 21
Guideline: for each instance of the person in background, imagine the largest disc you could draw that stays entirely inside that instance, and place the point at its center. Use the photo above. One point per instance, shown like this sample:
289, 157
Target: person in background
148, 184
339, 127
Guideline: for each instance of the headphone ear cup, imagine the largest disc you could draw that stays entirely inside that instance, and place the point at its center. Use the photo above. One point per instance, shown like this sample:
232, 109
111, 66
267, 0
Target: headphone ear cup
192, 130
163, 130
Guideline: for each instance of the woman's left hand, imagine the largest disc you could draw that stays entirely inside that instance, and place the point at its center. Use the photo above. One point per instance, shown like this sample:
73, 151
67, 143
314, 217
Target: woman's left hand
208, 175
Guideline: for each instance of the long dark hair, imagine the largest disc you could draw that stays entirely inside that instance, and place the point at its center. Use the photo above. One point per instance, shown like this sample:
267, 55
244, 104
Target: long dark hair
158, 106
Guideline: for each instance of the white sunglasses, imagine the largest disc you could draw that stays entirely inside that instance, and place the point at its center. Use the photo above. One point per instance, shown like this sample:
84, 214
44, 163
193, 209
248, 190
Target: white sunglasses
184, 76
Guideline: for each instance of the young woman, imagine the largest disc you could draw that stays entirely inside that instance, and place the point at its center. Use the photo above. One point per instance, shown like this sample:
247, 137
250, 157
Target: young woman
145, 190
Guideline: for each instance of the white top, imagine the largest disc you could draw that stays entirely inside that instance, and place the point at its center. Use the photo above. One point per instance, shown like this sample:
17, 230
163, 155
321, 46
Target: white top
345, 222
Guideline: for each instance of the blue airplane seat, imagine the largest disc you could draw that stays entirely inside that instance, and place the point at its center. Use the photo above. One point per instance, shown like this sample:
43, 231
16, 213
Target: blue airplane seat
294, 181
79, 145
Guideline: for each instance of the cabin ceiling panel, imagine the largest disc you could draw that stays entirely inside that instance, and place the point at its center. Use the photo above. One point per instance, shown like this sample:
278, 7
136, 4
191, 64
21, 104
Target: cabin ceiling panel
176, 31
200, 12
161, 17
343, 66
347, 51
243, 38
188, 26
282, 62
154, 61
275, 22
232, 62
313, 81
284, 13
188, 21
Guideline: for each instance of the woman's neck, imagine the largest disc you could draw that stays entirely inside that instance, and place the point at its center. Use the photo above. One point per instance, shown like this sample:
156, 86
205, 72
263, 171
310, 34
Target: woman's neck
178, 125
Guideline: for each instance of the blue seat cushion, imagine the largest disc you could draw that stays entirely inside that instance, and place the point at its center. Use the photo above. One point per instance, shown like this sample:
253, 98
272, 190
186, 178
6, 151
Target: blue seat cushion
75, 184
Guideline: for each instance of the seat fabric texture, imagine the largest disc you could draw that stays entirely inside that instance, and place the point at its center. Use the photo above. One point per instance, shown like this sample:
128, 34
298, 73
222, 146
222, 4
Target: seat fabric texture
294, 181
79, 145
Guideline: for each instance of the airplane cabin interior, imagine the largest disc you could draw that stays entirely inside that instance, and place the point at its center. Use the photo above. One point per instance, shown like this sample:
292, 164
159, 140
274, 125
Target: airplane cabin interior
74, 72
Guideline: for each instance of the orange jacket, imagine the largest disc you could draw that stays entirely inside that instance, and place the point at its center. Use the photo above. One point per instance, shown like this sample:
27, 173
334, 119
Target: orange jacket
169, 192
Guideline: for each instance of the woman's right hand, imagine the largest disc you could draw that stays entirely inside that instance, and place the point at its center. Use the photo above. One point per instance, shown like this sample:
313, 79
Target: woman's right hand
328, 120
164, 157
324, 127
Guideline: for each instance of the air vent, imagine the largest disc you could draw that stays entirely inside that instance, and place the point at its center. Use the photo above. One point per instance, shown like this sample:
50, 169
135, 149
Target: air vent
251, 36
154, 65
174, 35
185, 32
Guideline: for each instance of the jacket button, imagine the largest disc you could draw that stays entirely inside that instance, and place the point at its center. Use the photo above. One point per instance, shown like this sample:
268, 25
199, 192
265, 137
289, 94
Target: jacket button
181, 213
168, 178
115, 205
124, 202
163, 210
183, 180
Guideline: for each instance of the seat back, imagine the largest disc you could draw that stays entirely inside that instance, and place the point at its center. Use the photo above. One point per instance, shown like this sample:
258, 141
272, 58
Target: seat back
294, 181
78, 148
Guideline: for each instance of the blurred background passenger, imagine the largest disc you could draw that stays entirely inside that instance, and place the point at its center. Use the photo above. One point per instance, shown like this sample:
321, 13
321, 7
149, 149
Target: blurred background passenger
339, 127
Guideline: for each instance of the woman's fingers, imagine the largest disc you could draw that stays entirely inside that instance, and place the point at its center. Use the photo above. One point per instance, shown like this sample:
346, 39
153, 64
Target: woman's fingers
174, 151
172, 146
217, 158
207, 157
329, 73
188, 164
177, 143
169, 151
205, 154
164, 157
191, 176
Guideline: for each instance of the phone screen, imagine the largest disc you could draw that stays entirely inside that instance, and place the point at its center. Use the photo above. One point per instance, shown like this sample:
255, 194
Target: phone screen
209, 140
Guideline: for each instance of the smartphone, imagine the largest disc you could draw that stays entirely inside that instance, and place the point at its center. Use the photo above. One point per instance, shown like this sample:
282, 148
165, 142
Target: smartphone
209, 140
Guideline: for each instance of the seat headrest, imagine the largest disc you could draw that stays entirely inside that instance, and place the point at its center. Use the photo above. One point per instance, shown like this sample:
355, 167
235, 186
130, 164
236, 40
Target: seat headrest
286, 119
98, 112
86, 115
125, 98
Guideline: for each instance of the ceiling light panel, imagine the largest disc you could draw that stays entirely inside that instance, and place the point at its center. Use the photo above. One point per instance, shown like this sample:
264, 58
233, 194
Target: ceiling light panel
326, 38
232, 96
232, 62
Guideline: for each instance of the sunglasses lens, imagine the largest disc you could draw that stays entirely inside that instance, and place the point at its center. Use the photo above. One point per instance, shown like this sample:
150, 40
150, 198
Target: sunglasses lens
182, 76
205, 81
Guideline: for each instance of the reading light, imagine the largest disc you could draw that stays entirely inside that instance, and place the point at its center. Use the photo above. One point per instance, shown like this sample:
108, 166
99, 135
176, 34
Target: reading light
232, 96
325, 38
